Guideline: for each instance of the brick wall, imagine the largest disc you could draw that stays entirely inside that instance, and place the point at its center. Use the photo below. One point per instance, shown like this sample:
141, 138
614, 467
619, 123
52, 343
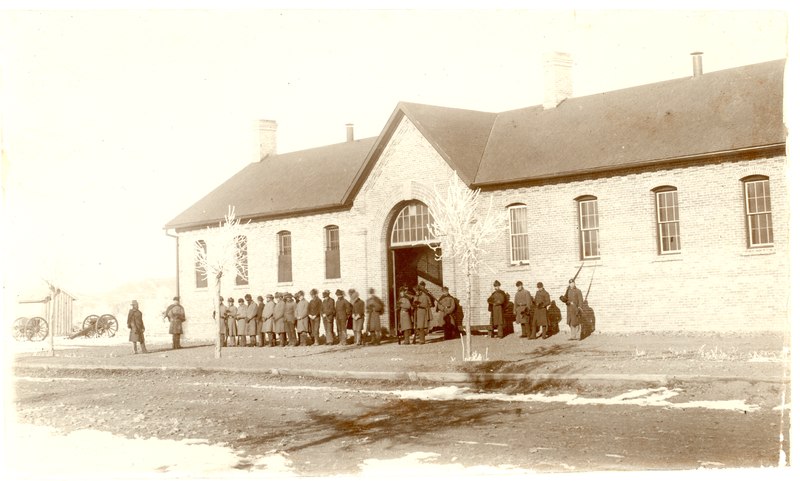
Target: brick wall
715, 283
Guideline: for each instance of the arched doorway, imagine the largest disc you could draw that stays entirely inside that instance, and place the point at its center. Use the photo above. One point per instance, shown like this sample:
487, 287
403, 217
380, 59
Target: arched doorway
410, 258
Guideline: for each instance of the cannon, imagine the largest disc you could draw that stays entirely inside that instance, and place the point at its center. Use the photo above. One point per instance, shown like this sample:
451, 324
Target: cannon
98, 326
33, 329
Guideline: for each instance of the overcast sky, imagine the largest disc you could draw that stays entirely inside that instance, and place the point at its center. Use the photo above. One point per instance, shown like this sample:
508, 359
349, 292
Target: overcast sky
114, 122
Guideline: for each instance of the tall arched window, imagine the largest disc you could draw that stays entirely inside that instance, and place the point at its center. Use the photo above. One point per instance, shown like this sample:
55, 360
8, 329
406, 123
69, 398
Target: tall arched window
332, 266
518, 233
589, 225
411, 225
758, 210
668, 220
200, 280
284, 256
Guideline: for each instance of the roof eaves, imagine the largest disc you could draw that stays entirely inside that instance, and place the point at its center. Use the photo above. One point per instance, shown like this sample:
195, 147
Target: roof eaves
262, 217
748, 152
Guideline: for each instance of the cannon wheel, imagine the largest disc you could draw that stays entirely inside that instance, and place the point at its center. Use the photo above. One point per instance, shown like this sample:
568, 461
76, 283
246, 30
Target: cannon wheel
106, 325
37, 329
19, 329
90, 321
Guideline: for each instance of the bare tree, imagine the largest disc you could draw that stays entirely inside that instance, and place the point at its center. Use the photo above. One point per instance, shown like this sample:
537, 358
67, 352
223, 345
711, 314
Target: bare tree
224, 253
464, 222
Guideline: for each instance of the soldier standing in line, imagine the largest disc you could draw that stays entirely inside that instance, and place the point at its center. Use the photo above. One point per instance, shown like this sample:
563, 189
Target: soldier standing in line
574, 302
250, 321
268, 329
422, 312
230, 321
260, 322
540, 303
176, 316
359, 312
241, 323
314, 316
497, 302
136, 325
221, 315
404, 308
290, 318
328, 315
447, 305
374, 310
344, 310
279, 319
523, 303
301, 311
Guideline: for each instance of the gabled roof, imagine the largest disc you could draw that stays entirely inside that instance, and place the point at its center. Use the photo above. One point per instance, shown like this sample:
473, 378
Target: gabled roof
297, 182
713, 114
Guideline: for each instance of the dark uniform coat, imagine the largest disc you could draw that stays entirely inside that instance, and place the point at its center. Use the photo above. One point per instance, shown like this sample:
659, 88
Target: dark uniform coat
540, 303
374, 306
422, 312
136, 325
496, 302
523, 305
176, 316
343, 309
279, 321
301, 310
553, 318
574, 301
404, 304
241, 319
269, 317
252, 312
222, 318
260, 318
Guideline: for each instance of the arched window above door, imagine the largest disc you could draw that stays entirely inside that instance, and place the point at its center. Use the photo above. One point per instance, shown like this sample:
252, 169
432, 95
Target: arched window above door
411, 225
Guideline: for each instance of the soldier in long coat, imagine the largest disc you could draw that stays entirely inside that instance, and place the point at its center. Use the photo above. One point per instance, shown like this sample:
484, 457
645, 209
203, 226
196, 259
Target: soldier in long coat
574, 302
268, 329
176, 316
250, 321
447, 306
260, 321
374, 310
344, 310
290, 318
221, 315
497, 301
314, 316
328, 315
241, 323
540, 302
422, 312
523, 304
404, 308
136, 325
301, 311
279, 319
359, 315
230, 322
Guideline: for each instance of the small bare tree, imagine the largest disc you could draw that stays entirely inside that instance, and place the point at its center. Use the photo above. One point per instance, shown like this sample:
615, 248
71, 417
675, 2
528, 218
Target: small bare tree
463, 232
227, 255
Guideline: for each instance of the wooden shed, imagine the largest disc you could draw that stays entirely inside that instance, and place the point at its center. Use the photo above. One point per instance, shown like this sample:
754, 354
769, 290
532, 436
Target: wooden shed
57, 307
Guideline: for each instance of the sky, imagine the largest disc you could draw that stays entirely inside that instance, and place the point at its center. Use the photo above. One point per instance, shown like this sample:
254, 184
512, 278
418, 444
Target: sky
112, 122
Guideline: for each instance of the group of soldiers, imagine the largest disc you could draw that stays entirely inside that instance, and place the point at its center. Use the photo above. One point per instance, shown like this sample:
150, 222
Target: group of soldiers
537, 314
286, 319
415, 307
174, 313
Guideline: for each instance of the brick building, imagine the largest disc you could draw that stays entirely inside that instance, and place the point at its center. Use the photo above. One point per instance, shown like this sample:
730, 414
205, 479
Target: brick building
672, 195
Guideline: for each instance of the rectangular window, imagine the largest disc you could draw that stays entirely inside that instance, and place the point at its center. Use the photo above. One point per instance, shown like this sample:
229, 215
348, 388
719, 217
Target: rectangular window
590, 229
241, 248
284, 257
200, 280
332, 267
518, 229
669, 230
759, 213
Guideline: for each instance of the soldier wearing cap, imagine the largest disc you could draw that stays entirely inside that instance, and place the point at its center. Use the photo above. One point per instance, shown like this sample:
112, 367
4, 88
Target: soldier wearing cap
404, 308
301, 310
359, 312
176, 316
497, 302
241, 323
136, 325
523, 306
222, 319
344, 310
422, 312
328, 315
540, 302
280, 319
252, 314
268, 328
447, 305
290, 318
314, 316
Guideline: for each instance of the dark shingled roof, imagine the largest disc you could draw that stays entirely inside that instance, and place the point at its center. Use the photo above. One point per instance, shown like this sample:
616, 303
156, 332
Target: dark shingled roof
303, 181
715, 113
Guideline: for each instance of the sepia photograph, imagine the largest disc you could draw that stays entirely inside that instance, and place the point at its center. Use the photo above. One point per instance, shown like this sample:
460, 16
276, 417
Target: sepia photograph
274, 240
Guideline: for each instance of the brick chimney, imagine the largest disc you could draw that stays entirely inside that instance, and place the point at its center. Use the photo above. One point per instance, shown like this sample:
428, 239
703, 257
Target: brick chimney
267, 135
349, 132
697, 64
557, 79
